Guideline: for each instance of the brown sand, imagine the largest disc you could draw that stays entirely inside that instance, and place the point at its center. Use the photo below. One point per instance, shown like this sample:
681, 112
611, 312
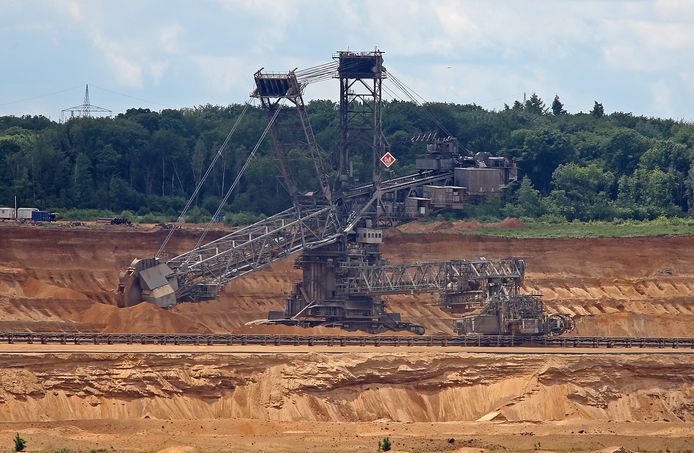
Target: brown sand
346, 402
139, 400
63, 279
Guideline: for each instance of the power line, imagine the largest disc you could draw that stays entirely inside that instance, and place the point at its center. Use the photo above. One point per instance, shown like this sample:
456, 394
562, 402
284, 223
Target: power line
132, 97
41, 96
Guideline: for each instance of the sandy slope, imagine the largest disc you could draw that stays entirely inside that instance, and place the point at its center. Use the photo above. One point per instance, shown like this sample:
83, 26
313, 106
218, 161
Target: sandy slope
62, 279
613, 286
349, 387
346, 402
246, 435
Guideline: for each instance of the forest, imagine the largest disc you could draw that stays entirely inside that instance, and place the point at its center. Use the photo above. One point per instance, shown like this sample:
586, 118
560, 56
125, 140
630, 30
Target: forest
581, 166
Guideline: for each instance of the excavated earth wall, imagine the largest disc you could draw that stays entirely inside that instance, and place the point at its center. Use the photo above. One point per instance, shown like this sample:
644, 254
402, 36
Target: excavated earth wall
63, 279
400, 387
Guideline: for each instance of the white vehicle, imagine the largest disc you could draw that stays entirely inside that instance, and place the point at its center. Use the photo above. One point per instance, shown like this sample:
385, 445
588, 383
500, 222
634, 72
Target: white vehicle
7, 213
25, 213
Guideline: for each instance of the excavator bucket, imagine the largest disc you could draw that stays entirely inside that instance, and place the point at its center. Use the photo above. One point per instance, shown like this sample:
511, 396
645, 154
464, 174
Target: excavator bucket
147, 280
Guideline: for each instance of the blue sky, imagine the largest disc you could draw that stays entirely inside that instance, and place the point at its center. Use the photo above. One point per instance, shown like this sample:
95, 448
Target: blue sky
633, 56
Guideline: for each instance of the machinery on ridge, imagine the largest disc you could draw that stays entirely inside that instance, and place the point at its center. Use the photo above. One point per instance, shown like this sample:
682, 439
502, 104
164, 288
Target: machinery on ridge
339, 228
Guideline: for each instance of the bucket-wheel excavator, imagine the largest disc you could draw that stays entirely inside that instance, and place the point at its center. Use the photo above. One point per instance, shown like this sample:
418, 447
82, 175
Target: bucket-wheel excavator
339, 227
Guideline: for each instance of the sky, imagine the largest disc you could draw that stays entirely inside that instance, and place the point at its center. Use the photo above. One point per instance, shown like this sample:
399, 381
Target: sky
632, 56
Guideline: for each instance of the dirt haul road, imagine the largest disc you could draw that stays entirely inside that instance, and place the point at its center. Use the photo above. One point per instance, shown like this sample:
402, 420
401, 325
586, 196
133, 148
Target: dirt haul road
54, 279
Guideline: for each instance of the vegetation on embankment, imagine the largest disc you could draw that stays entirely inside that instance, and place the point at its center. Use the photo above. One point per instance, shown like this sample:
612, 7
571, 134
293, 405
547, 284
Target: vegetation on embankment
552, 228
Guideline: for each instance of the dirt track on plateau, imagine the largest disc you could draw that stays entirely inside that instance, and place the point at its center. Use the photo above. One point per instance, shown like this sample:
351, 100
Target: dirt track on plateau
63, 279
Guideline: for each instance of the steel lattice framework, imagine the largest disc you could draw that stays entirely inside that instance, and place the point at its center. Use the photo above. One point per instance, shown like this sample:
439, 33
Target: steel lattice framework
251, 248
201, 270
428, 276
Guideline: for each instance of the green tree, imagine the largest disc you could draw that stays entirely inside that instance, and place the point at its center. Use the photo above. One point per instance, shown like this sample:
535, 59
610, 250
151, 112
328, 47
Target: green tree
623, 150
558, 205
122, 196
19, 443
598, 110
385, 444
106, 163
689, 184
557, 106
82, 183
149, 161
198, 160
535, 105
650, 193
585, 190
667, 156
539, 153
527, 202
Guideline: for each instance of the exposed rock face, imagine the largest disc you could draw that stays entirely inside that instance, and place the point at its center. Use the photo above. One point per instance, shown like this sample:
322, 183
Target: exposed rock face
348, 387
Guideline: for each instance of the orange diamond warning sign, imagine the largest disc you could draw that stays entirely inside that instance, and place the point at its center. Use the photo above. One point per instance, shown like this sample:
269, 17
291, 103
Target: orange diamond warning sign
388, 159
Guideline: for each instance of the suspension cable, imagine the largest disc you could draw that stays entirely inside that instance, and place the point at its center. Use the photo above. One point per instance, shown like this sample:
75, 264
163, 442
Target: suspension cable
412, 95
221, 149
317, 73
238, 176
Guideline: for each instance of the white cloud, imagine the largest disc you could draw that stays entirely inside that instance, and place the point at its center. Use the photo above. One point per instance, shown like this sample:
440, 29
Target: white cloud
157, 70
495, 49
645, 45
271, 20
133, 55
224, 75
680, 10
168, 38
128, 71
71, 7
349, 13
267, 9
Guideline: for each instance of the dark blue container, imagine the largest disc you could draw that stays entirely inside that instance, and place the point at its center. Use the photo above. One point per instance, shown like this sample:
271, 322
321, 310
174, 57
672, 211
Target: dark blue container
42, 216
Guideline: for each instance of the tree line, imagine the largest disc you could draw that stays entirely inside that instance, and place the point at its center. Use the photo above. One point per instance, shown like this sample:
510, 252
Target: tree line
584, 166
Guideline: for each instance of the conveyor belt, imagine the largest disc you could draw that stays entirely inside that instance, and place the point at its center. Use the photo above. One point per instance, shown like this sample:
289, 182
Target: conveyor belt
340, 340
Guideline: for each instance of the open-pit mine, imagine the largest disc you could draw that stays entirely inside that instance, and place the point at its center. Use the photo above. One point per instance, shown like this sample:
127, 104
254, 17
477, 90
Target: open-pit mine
331, 398
348, 321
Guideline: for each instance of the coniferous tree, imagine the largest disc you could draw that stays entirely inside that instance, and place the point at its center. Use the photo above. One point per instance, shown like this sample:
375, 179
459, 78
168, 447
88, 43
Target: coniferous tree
557, 106
598, 110
535, 105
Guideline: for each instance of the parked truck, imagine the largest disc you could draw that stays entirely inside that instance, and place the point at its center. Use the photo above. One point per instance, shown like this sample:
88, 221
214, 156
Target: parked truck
27, 214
